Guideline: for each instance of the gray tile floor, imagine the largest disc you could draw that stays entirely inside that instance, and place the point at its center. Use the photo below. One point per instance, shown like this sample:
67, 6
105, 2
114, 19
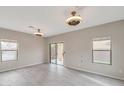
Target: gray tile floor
54, 75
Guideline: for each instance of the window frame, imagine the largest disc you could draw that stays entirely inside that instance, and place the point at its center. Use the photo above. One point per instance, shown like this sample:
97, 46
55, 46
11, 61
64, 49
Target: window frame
13, 41
102, 39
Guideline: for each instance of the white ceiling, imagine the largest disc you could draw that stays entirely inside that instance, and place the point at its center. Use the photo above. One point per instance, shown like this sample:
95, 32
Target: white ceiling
51, 20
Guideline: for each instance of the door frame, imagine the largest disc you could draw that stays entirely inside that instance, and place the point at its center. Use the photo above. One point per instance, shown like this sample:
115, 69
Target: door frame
56, 47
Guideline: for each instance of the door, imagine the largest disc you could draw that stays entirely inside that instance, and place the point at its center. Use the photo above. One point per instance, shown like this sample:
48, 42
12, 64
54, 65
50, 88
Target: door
56, 53
53, 53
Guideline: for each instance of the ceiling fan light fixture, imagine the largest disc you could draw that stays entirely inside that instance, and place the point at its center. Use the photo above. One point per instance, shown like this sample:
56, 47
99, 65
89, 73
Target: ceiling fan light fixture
74, 19
38, 33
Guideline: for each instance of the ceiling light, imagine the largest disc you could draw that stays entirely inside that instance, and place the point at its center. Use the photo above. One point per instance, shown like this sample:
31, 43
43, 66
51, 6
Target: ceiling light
38, 33
74, 19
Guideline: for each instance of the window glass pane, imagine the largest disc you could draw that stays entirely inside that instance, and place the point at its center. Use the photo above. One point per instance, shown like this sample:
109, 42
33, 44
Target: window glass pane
53, 53
101, 45
9, 55
102, 50
101, 57
60, 53
8, 45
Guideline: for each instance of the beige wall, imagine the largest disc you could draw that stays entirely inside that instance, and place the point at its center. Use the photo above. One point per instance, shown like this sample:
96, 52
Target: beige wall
31, 51
78, 48
77, 45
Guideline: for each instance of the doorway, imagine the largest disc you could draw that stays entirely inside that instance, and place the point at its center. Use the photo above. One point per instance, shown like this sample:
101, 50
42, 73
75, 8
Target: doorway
56, 53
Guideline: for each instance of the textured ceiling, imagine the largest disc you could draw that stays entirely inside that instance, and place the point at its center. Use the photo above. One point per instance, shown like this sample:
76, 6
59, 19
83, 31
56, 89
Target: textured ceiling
51, 20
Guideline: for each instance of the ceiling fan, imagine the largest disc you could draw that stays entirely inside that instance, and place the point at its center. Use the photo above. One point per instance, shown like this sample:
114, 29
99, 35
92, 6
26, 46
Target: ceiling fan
74, 19
38, 32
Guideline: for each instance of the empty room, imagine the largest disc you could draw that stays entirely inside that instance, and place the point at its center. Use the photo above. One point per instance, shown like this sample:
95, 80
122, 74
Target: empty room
61, 45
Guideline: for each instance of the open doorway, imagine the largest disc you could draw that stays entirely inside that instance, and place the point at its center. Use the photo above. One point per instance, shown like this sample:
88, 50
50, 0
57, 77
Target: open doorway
56, 53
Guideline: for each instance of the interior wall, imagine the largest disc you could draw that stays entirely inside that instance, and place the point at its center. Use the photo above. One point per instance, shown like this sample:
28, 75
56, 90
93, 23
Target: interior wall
78, 48
31, 49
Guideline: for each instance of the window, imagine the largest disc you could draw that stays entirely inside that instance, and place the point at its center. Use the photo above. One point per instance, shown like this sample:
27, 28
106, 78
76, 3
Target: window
8, 50
102, 50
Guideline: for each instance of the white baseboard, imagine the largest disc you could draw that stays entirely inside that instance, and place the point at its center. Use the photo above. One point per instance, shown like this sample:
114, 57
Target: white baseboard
19, 67
80, 69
